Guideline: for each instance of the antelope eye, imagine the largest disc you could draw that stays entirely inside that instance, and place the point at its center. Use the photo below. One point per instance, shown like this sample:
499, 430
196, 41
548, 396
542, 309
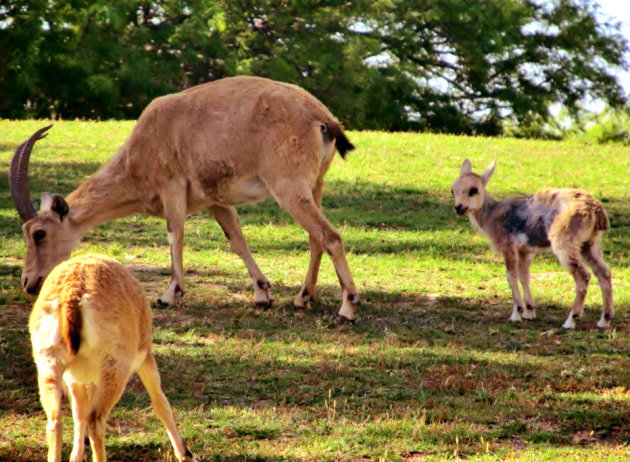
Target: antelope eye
39, 235
473, 191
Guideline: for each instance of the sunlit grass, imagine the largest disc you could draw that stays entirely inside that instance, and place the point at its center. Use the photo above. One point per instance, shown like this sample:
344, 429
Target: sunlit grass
431, 370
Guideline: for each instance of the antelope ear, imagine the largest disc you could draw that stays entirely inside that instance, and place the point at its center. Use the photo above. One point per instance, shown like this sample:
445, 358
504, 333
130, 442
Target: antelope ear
56, 204
485, 177
465, 168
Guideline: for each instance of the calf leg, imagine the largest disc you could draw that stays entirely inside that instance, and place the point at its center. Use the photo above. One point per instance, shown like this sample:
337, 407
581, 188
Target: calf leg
594, 257
524, 261
570, 259
510, 257
298, 200
80, 401
228, 220
148, 373
50, 393
96, 431
112, 385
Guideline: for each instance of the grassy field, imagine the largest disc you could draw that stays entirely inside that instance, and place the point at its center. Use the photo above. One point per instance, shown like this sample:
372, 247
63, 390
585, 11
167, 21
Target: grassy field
431, 370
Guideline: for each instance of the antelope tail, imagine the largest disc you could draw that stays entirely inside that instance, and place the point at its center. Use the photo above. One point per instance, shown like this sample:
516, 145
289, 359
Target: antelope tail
70, 316
601, 219
342, 143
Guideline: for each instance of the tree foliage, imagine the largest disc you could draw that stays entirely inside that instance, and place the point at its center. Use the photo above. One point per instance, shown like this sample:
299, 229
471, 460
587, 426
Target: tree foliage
458, 66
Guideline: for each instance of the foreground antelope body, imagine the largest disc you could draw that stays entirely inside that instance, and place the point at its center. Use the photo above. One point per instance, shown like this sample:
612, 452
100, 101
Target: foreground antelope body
569, 221
91, 330
214, 146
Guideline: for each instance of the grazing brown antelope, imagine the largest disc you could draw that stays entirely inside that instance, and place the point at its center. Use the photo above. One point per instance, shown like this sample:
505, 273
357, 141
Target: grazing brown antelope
91, 330
214, 146
570, 222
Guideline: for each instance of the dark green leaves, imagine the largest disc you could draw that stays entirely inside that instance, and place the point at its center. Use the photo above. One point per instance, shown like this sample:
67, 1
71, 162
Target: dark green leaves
456, 66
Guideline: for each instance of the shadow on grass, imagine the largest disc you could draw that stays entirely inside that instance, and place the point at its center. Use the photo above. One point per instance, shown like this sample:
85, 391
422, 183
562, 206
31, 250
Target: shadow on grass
458, 360
139, 453
361, 205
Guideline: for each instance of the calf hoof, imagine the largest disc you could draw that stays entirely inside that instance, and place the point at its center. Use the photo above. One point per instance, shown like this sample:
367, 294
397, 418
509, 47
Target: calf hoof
264, 305
569, 324
340, 321
160, 304
517, 314
529, 313
603, 324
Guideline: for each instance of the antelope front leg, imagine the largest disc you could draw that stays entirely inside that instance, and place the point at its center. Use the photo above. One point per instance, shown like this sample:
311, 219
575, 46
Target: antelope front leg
176, 287
175, 214
228, 220
511, 262
301, 205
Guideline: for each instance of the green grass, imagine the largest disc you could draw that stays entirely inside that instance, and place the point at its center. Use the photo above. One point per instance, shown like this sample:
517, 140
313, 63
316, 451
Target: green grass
430, 371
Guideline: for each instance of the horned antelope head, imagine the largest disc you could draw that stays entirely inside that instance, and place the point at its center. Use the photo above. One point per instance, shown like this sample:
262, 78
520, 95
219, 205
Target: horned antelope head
46, 233
469, 189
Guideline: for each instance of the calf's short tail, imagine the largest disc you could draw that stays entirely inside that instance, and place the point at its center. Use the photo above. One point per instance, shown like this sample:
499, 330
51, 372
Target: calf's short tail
70, 314
601, 219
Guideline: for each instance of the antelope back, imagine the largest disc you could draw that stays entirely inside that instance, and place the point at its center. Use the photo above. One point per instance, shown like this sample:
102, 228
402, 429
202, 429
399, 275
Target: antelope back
93, 299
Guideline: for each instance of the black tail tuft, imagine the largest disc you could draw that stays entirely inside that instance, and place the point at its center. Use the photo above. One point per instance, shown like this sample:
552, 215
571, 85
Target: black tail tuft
333, 131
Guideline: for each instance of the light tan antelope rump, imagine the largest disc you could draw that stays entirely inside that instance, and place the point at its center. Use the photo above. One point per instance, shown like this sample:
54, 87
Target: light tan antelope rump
570, 222
213, 146
90, 331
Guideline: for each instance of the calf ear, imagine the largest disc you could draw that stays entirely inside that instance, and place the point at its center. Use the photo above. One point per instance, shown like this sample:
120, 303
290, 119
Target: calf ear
465, 168
56, 204
485, 177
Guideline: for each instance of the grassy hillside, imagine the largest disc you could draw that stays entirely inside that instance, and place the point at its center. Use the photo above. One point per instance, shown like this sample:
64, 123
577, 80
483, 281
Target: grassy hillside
430, 371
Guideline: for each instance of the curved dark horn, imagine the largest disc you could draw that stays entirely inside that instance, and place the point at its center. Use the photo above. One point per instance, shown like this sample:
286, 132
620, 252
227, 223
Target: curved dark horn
18, 175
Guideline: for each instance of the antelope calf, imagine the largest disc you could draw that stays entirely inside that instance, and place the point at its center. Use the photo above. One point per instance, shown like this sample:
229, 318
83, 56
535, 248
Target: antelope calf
91, 330
568, 221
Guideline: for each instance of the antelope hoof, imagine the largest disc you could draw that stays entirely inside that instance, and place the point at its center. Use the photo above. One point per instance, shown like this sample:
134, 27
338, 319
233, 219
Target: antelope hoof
569, 323
349, 306
189, 456
516, 317
265, 305
302, 300
264, 285
170, 297
603, 324
261, 295
340, 321
529, 313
